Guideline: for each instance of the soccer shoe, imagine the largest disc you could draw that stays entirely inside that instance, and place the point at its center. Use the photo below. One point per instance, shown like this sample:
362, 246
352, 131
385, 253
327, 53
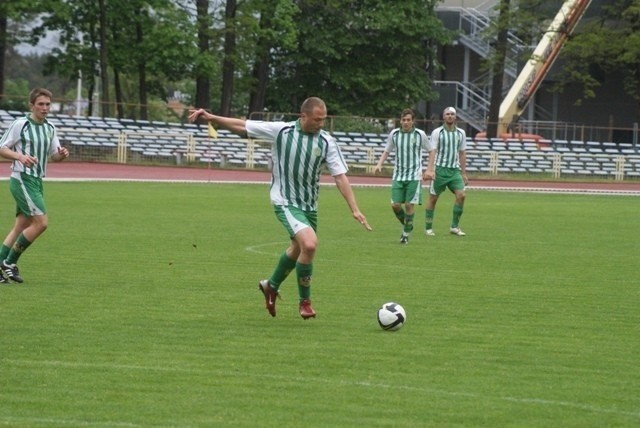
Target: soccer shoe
429, 232
404, 239
306, 311
456, 231
3, 280
10, 272
270, 296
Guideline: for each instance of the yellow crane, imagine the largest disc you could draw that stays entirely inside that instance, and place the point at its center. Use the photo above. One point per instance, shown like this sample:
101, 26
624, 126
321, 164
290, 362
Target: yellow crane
535, 70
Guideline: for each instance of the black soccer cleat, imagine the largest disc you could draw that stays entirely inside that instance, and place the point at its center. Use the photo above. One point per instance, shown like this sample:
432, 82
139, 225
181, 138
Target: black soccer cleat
10, 272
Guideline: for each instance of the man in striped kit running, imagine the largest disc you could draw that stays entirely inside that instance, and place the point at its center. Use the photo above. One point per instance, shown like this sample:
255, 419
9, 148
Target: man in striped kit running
299, 150
447, 153
406, 187
29, 143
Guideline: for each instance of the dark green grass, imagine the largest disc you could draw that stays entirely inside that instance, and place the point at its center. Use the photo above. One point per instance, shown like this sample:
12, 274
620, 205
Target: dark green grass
140, 308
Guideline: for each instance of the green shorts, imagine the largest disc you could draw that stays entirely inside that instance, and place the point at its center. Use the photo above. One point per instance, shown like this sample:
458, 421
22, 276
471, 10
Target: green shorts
294, 219
29, 195
450, 178
406, 192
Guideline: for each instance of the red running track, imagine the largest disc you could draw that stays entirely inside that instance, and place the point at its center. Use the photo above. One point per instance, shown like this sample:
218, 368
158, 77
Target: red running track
109, 171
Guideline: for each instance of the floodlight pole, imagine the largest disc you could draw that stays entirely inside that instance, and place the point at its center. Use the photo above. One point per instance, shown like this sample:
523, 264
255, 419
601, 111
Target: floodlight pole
79, 95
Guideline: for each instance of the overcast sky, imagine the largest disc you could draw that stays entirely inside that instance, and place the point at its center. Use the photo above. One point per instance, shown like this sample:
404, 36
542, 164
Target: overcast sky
45, 45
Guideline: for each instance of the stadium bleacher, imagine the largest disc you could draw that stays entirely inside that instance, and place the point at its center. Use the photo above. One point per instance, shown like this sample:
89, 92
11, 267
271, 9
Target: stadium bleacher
138, 141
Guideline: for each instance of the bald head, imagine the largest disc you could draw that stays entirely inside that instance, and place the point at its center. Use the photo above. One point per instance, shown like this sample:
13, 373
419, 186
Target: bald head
311, 103
313, 113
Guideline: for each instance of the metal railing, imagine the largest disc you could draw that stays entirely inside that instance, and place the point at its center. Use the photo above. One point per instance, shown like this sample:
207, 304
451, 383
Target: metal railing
472, 105
475, 25
554, 164
192, 150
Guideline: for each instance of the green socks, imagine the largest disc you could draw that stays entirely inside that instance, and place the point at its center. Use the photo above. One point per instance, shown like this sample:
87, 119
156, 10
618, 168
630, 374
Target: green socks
4, 252
282, 270
18, 248
428, 219
408, 223
303, 272
457, 213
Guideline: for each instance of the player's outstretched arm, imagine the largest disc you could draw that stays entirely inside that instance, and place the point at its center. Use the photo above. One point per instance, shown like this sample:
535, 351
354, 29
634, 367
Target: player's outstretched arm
237, 126
342, 182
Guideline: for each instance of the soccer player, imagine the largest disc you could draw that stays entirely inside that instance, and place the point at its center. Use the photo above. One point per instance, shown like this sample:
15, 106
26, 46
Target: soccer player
299, 150
29, 142
406, 185
447, 152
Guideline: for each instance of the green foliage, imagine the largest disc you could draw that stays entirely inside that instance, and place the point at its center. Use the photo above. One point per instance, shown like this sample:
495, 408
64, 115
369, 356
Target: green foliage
18, 15
284, 30
169, 44
156, 34
607, 46
16, 95
358, 124
140, 308
368, 57
528, 20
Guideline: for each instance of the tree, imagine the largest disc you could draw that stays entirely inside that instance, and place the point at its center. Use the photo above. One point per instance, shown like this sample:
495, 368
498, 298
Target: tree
606, 46
497, 70
153, 43
367, 56
78, 26
525, 19
144, 43
3, 42
11, 12
228, 62
104, 77
201, 69
276, 30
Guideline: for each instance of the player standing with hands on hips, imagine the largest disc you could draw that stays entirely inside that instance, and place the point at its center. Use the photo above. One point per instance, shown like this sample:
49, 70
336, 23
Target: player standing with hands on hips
29, 142
406, 186
299, 150
447, 151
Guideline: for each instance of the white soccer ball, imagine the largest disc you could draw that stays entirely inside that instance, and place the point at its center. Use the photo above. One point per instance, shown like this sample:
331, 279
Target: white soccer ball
391, 316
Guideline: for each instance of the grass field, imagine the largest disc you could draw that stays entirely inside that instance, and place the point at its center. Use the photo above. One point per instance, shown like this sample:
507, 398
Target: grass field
140, 308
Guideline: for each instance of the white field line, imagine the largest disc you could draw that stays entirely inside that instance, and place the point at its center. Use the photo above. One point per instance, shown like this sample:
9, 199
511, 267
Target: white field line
567, 189
311, 379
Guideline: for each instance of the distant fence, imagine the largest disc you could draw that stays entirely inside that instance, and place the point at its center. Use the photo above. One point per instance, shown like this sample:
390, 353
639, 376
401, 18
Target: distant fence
553, 131
130, 142
191, 149
548, 130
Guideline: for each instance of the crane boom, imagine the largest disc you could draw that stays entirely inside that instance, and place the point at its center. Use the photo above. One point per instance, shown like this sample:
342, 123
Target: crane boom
543, 57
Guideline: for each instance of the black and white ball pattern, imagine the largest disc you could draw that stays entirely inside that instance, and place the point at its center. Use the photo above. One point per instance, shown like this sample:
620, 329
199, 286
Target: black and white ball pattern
391, 316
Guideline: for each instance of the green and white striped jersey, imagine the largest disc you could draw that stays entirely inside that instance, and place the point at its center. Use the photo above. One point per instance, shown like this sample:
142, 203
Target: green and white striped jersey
448, 144
408, 149
297, 161
31, 138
